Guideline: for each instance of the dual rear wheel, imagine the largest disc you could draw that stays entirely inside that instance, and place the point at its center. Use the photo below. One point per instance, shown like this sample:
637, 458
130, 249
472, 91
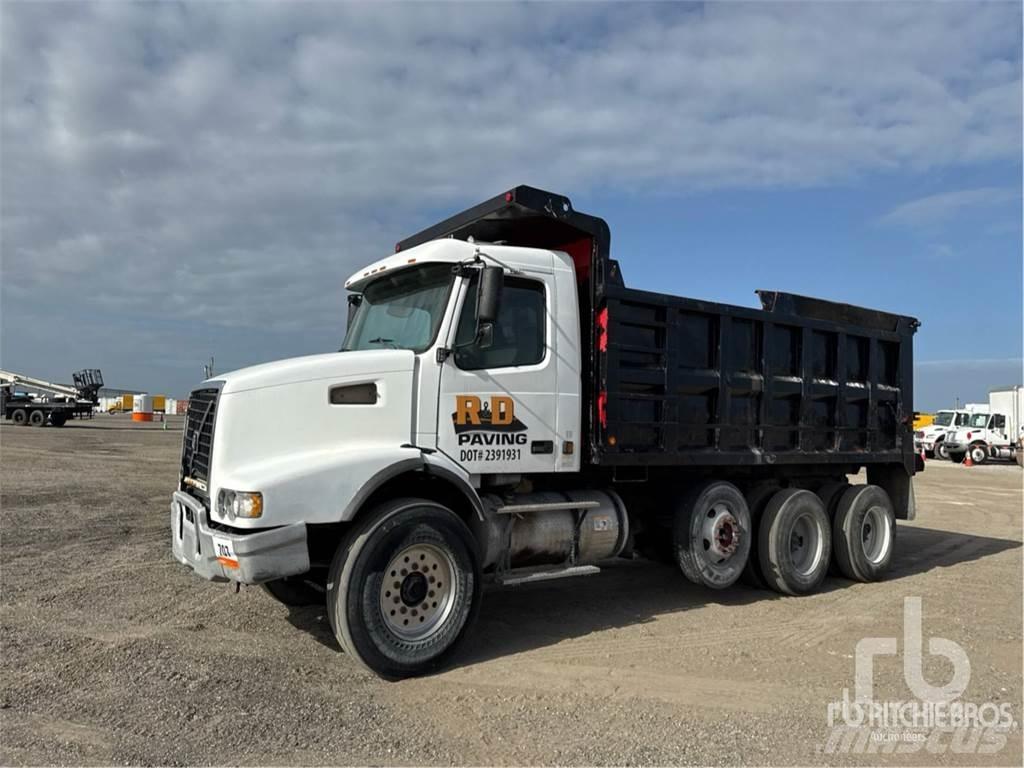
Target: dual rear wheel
783, 538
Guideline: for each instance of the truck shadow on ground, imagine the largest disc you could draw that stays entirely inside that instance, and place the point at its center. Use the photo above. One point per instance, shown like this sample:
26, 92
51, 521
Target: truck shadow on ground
518, 619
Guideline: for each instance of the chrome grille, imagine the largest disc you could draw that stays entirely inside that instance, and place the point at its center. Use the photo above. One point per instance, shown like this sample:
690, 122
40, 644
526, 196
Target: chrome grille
197, 447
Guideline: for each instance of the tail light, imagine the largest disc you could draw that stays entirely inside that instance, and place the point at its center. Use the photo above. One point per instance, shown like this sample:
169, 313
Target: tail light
602, 330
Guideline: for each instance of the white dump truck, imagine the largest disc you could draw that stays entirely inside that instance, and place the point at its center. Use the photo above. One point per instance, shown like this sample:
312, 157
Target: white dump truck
994, 434
505, 408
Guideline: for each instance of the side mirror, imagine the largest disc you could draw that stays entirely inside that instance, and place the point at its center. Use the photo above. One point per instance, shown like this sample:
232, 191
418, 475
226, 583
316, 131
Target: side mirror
354, 300
488, 298
484, 335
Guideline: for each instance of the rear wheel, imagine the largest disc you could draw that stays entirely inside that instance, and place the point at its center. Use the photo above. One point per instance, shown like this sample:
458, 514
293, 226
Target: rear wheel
294, 591
830, 493
36, 418
757, 498
20, 417
712, 534
404, 588
863, 533
979, 453
794, 542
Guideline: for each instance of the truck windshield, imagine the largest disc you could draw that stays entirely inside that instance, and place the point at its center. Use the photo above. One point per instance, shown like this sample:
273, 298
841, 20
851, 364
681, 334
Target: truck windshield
944, 418
402, 310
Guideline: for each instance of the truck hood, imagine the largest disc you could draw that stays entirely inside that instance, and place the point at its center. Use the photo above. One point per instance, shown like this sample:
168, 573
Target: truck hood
333, 365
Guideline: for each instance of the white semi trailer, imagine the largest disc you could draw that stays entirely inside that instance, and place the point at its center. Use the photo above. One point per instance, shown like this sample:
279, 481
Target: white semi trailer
504, 407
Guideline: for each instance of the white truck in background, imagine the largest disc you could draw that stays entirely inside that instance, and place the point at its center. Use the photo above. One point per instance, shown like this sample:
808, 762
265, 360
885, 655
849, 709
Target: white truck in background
933, 437
994, 434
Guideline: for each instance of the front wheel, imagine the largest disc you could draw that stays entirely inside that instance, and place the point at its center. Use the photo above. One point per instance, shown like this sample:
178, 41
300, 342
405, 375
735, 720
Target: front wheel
979, 453
58, 418
404, 588
956, 457
941, 451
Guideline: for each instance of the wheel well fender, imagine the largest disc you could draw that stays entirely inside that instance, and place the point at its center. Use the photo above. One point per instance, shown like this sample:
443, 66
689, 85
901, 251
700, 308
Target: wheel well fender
414, 477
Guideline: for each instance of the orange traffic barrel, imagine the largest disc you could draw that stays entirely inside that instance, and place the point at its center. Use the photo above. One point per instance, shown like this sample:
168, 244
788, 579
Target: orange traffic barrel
142, 408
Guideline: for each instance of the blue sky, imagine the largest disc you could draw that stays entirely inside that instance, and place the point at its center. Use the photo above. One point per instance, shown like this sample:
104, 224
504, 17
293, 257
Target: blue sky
183, 180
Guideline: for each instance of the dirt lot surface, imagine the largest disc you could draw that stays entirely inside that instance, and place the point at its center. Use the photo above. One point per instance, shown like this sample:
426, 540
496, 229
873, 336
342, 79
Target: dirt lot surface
114, 653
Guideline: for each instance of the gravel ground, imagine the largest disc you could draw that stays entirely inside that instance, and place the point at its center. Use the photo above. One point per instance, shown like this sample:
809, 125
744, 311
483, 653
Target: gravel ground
113, 653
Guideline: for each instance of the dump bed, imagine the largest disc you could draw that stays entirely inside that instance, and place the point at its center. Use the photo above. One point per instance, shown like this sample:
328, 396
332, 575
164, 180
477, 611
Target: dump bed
682, 381
671, 381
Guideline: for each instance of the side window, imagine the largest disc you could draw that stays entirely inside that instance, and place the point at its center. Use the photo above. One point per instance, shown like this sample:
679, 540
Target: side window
518, 332
998, 421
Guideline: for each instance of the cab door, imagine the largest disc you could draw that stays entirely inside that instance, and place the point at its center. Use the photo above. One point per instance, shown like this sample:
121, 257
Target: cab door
497, 399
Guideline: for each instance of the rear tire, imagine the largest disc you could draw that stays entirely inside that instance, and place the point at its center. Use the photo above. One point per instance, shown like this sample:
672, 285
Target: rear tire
412, 628
20, 417
863, 533
36, 418
757, 499
294, 591
794, 542
712, 534
830, 493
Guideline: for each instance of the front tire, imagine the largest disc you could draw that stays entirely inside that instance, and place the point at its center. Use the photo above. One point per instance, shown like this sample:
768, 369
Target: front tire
941, 451
979, 453
404, 588
957, 457
794, 542
58, 418
863, 533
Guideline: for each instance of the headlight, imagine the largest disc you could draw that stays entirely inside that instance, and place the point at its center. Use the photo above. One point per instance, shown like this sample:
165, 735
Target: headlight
232, 504
919, 433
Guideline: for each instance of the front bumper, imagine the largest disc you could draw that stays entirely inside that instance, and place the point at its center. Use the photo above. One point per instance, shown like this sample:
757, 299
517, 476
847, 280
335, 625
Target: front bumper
955, 447
250, 558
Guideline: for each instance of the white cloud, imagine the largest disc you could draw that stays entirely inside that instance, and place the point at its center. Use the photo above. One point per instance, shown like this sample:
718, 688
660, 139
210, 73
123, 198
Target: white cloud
941, 207
228, 165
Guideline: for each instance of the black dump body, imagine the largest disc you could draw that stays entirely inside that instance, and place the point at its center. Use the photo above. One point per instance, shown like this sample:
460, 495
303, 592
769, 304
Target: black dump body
671, 382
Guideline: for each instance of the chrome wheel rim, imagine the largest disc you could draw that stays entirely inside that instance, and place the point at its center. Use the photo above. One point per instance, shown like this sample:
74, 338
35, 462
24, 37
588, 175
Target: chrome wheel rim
875, 535
720, 534
977, 455
805, 545
417, 591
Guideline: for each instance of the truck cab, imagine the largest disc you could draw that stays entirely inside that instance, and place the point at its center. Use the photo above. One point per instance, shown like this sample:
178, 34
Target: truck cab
932, 438
983, 437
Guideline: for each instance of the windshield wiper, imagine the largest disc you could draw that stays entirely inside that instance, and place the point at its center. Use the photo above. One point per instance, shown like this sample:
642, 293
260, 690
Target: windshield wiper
380, 340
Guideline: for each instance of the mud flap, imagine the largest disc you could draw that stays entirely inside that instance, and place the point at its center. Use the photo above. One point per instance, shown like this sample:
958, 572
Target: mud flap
899, 484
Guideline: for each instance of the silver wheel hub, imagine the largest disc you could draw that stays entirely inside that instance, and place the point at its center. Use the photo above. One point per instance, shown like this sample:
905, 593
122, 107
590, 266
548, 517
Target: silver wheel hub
720, 533
805, 545
875, 535
417, 591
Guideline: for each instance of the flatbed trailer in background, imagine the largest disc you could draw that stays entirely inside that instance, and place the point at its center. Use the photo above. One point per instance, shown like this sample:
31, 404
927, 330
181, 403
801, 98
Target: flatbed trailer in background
29, 401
